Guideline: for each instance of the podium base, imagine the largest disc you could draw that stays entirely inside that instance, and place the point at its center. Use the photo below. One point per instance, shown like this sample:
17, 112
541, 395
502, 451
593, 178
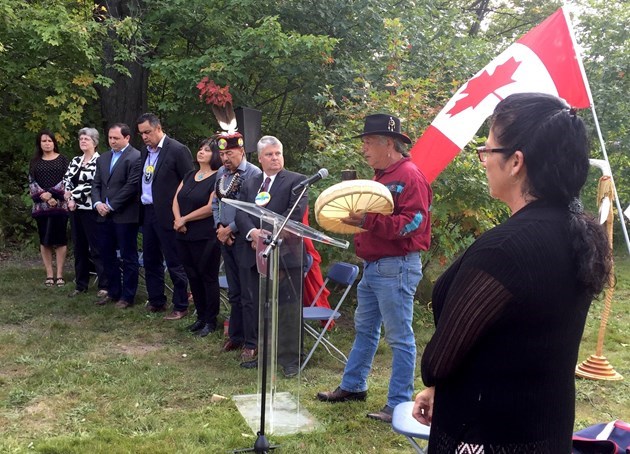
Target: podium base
597, 368
284, 416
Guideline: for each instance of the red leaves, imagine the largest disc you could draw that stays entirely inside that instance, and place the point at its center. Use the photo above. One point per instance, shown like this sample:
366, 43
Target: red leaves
213, 93
484, 84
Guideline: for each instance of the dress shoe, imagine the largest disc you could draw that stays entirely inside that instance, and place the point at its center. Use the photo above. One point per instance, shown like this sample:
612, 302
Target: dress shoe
340, 395
176, 315
102, 293
76, 293
195, 326
384, 414
207, 329
103, 301
152, 308
248, 354
290, 371
230, 345
122, 304
253, 364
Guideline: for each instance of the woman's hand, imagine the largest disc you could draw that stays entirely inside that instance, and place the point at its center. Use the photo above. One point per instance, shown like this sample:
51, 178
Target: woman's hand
179, 224
423, 407
45, 196
72, 205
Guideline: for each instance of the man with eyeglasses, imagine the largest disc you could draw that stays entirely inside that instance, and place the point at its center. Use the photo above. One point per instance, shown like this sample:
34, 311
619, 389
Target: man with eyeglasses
230, 177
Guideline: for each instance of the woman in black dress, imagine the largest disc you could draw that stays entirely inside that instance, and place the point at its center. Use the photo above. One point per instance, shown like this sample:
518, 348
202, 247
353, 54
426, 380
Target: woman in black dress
197, 243
50, 209
510, 312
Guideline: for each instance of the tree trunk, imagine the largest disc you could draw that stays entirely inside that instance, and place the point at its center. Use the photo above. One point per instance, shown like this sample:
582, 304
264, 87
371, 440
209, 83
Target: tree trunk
480, 8
126, 99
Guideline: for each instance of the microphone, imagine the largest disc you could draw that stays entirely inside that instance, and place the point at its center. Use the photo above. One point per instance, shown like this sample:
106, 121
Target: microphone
321, 173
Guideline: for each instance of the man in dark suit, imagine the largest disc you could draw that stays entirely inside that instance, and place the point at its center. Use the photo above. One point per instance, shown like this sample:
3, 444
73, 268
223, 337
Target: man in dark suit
115, 198
165, 161
272, 189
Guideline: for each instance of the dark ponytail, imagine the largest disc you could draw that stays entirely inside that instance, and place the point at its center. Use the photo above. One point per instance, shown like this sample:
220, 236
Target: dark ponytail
591, 251
555, 148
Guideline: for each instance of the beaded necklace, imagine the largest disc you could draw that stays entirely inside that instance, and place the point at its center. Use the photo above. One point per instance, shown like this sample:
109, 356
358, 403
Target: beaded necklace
232, 188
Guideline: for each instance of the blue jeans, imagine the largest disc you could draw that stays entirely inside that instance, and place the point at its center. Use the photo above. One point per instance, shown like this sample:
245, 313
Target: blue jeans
385, 296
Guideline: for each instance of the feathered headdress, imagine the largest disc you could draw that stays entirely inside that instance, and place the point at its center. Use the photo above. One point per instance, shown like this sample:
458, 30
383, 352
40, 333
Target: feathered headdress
221, 101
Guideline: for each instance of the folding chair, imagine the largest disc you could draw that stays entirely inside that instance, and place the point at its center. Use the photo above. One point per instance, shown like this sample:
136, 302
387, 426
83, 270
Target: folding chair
405, 424
308, 263
340, 273
223, 289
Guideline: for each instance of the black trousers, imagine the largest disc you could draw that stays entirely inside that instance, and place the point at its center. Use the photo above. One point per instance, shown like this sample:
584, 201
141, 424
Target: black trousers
230, 264
86, 249
290, 330
160, 245
201, 260
121, 285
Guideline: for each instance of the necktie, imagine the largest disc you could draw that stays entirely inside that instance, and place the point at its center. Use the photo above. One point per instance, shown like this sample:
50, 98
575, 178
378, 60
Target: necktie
115, 156
265, 186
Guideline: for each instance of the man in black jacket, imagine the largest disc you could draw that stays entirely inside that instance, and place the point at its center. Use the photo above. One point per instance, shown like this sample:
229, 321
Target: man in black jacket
165, 161
115, 198
272, 189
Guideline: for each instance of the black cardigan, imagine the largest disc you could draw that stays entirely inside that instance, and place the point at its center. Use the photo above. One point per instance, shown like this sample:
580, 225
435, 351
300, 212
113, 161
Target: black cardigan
509, 317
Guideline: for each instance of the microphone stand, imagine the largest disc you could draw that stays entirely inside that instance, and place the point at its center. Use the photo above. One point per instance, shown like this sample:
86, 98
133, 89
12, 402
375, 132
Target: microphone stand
262, 445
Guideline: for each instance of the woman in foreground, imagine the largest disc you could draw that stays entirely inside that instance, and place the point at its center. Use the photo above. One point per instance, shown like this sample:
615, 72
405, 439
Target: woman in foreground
510, 312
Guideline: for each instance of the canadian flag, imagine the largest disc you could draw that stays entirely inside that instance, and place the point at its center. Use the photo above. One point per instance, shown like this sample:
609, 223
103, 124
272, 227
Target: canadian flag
543, 60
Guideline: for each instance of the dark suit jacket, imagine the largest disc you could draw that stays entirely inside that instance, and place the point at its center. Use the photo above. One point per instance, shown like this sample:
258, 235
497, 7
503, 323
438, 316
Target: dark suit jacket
282, 199
120, 186
174, 162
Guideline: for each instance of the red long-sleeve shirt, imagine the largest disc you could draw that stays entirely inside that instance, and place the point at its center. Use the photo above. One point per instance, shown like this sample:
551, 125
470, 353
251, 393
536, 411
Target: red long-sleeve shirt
408, 228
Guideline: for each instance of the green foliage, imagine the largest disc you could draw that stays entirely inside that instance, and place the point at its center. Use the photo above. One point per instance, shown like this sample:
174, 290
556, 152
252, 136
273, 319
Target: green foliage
602, 30
267, 66
49, 57
461, 207
314, 69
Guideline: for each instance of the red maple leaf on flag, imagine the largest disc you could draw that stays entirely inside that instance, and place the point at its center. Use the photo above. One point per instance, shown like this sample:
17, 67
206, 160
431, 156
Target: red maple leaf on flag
480, 87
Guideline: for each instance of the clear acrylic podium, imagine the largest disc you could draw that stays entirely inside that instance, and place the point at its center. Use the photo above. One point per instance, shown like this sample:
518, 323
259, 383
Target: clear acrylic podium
283, 412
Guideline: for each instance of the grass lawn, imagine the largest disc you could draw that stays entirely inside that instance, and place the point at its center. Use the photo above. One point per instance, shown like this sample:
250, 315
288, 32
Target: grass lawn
76, 378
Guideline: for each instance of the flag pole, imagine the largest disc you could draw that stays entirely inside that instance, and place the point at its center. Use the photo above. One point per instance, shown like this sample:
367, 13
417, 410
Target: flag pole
599, 131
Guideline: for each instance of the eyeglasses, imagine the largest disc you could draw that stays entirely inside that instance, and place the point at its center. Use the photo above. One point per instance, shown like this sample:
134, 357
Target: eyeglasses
482, 152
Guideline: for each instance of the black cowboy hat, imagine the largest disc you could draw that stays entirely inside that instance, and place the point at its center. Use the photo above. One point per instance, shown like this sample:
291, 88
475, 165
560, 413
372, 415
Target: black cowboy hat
383, 125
